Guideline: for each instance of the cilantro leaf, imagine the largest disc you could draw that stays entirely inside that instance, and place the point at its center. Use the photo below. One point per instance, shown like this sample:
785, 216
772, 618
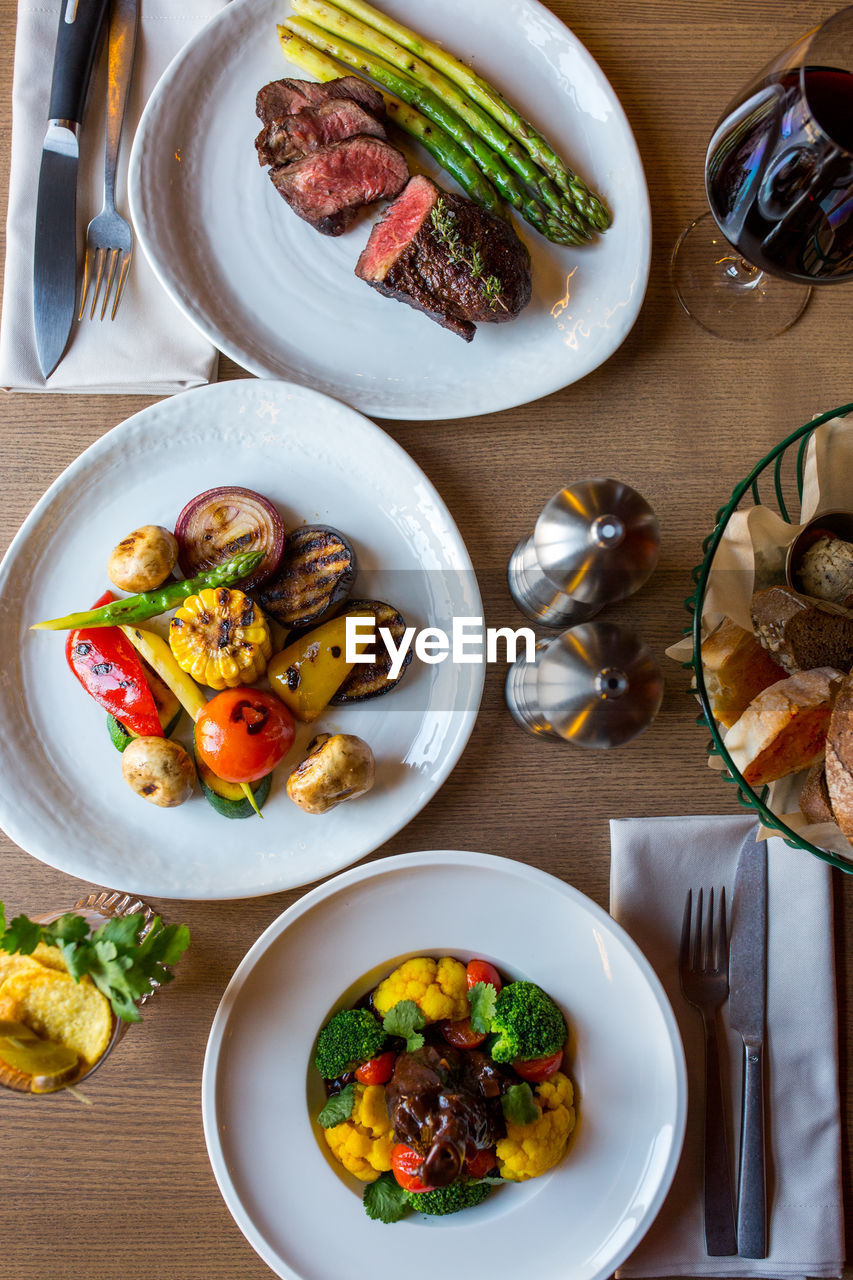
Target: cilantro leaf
481, 998
338, 1108
518, 1104
385, 1200
21, 935
405, 1019
125, 958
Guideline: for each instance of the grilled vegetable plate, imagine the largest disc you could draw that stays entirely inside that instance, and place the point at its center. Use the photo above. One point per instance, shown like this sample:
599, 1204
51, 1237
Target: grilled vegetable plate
220, 523
372, 681
315, 575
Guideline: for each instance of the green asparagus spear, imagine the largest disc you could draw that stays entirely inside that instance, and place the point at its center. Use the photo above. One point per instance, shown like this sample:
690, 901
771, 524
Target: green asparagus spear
448, 153
134, 609
483, 93
331, 18
416, 95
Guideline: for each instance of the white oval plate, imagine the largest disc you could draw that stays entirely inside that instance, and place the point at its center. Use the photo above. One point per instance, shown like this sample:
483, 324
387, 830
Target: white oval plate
282, 300
303, 1217
62, 795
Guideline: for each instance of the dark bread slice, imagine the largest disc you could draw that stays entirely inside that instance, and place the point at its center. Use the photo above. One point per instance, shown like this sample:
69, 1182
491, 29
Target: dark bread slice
801, 632
815, 804
839, 758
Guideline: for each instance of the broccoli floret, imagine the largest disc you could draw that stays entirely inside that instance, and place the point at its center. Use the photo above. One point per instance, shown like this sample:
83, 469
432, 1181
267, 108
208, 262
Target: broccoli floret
349, 1038
459, 1195
527, 1022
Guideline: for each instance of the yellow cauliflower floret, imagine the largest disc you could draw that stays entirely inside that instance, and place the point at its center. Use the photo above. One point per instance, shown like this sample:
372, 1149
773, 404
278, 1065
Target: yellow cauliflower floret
529, 1150
363, 1142
438, 988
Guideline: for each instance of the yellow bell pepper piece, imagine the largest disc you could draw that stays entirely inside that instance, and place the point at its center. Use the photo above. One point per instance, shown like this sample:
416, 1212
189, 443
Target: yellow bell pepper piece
308, 672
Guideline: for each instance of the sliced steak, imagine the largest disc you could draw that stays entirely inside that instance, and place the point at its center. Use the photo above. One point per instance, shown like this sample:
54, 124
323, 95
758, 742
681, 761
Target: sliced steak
282, 98
446, 256
328, 187
284, 140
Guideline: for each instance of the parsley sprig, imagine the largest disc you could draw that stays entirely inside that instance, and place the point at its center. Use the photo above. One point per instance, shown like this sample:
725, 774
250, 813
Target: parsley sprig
406, 1020
126, 958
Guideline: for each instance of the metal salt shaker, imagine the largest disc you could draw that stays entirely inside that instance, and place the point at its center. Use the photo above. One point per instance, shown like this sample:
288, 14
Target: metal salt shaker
596, 685
596, 541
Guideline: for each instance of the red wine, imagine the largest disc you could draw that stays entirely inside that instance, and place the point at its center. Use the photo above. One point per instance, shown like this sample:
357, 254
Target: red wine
780, 189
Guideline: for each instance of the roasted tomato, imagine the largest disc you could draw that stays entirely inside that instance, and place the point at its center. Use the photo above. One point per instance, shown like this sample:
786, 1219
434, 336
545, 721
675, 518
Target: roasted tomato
481, 1163
538, 1069
377, 1070
243, 733
405, 1165
460, 1034
482, 971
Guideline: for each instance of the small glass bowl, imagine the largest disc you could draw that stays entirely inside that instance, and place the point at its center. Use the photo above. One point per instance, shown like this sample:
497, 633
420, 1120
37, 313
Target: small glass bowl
97, 909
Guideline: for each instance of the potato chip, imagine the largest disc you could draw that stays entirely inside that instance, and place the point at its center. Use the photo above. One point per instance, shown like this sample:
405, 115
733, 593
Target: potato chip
14, 963
72, 1013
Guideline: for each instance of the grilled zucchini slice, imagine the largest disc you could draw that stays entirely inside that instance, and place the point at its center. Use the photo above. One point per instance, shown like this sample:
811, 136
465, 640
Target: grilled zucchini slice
168, 709
228, 798
315, 576
373, 681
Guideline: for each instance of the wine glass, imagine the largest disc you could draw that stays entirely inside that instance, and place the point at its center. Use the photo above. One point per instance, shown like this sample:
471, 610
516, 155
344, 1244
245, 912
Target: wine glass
779, 181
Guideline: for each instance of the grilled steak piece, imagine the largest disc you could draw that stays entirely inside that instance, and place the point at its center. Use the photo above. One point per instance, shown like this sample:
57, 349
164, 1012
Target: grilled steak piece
328, 187
447, 257
282, 98
283, 140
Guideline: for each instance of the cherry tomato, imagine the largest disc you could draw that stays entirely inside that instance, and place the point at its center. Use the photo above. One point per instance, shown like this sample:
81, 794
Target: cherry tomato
481, 1163
537, 1069
243, 733
377, 1070
482, 971
460, 1035
405, 1165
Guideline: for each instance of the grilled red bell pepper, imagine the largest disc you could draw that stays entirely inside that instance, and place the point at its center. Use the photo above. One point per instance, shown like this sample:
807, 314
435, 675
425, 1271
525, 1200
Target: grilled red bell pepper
107, 666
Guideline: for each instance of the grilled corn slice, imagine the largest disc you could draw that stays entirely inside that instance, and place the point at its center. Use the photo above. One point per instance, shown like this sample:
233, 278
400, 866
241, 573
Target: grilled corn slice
221, 638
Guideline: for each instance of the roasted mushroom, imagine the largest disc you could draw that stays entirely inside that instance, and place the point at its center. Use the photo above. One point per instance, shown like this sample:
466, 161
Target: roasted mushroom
159, 770
144, 559
338, 767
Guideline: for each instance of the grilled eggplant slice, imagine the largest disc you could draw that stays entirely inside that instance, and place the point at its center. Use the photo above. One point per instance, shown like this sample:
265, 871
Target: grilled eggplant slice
315, 576
374, 680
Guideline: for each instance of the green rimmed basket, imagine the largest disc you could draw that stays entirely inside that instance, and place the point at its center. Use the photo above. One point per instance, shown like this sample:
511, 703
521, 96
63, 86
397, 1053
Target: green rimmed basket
782, 472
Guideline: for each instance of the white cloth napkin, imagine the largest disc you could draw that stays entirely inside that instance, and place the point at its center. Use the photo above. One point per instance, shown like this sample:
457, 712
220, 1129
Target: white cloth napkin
150, 347
653, 864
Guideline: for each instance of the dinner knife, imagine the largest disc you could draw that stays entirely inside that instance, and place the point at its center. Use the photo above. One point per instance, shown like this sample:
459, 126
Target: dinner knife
747, 1009
55, 250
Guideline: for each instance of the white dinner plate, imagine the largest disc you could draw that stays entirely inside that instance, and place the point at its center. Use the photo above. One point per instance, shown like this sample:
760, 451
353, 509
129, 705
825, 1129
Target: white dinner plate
303, 1216
282, 300
62, 795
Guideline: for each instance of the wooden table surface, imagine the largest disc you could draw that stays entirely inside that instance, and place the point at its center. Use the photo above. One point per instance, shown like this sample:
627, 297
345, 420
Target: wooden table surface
123, 1186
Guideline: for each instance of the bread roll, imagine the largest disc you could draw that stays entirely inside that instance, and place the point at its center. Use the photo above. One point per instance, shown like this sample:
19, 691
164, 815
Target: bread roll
815, 804
736, 667
839, 758
802, 633
784, 728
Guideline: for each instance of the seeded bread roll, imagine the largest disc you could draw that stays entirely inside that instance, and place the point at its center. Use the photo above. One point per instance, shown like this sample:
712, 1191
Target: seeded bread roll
826, 570
802, 633
815, 804
784, 729
736, 668
839, 758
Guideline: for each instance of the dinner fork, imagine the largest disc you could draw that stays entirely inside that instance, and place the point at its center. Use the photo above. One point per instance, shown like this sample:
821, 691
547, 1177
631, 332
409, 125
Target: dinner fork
109, 238
703, 973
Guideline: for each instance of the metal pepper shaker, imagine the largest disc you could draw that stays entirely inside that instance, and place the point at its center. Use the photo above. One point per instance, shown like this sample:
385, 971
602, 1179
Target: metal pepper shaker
595, 542
596, 685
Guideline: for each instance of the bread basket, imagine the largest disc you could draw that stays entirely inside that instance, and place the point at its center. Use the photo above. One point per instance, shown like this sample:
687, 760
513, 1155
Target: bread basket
777, 482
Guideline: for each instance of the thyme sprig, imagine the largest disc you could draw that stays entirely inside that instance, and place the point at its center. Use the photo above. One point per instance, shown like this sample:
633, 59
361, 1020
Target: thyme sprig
443, 223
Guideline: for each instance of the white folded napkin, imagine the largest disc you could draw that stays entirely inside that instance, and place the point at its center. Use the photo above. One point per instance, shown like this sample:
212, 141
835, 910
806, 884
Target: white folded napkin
654, 861
150, 347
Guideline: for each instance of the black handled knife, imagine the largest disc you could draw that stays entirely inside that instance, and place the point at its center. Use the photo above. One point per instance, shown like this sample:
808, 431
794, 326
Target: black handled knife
747, 1011
55, 250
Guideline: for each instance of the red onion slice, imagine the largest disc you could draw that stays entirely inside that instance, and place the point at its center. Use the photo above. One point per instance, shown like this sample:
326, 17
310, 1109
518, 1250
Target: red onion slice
221, 523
